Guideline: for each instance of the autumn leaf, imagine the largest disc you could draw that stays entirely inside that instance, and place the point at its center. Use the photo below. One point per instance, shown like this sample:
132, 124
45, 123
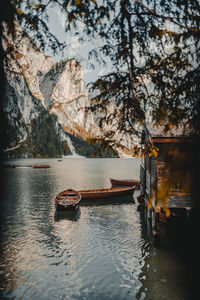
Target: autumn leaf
170, 33
167, 212
149, 204
19, 12
194, 29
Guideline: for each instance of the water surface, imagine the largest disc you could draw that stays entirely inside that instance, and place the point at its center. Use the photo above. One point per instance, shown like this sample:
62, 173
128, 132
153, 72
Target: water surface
103, 252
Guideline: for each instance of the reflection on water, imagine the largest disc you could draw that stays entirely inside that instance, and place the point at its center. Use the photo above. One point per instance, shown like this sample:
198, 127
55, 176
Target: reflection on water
114, 201
102, 252
163, 271
71, 215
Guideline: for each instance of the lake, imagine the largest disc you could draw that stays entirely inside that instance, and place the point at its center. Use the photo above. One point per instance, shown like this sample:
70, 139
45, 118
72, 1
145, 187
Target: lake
103, 252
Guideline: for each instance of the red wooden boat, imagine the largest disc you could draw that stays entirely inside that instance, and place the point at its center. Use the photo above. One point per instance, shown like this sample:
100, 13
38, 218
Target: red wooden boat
40, 166
125, 182
107, 193
68, 200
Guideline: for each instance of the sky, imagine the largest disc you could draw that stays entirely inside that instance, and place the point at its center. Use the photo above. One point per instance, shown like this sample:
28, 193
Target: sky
74, 48
77, 50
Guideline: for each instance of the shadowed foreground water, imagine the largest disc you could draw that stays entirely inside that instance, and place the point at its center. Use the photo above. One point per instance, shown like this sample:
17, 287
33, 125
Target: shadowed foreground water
104, 252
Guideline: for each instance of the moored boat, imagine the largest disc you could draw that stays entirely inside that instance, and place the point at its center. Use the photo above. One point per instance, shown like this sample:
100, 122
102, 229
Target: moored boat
107, 193
40, 166
125, 182
68, 200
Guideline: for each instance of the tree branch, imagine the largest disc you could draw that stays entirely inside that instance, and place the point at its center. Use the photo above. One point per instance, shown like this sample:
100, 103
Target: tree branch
151, 11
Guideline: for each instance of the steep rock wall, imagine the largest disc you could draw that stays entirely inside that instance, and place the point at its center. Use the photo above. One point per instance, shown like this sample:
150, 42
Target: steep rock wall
66, 96
35, 84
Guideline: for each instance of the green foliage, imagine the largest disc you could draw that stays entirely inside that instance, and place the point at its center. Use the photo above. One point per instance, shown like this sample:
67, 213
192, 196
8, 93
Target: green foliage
45, 140
86, 149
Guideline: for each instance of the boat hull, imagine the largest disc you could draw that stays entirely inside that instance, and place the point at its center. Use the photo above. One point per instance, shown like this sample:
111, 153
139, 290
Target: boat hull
107, 193
40, 166
67, 208
101, 196
124, 182
68, 200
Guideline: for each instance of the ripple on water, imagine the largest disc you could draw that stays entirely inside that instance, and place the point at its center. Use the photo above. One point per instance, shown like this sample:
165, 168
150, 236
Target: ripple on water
102, 253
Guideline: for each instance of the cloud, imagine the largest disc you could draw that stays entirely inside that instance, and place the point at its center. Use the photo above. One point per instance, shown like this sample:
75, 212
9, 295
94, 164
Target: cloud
106, 70
61, 18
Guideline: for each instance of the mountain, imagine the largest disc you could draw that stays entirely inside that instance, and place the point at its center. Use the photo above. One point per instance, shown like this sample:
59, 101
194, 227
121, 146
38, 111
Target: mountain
66, 96
44, 104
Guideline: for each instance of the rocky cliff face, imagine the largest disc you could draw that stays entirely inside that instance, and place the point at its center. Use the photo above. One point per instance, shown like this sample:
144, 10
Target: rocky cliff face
35, 87
23, 102
25, 58
66, 96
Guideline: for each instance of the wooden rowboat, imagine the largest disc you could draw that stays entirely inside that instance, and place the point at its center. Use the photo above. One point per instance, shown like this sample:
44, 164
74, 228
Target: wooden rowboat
40, 166
124, 182
101, 193
107, 193
68, 200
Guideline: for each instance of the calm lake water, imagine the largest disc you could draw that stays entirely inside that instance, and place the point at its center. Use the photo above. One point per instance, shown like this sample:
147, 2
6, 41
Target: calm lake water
104, 252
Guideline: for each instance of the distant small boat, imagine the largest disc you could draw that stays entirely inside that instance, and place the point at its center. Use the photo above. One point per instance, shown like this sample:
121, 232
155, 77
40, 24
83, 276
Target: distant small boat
125, 182
40, 166
107, 193
68, 200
